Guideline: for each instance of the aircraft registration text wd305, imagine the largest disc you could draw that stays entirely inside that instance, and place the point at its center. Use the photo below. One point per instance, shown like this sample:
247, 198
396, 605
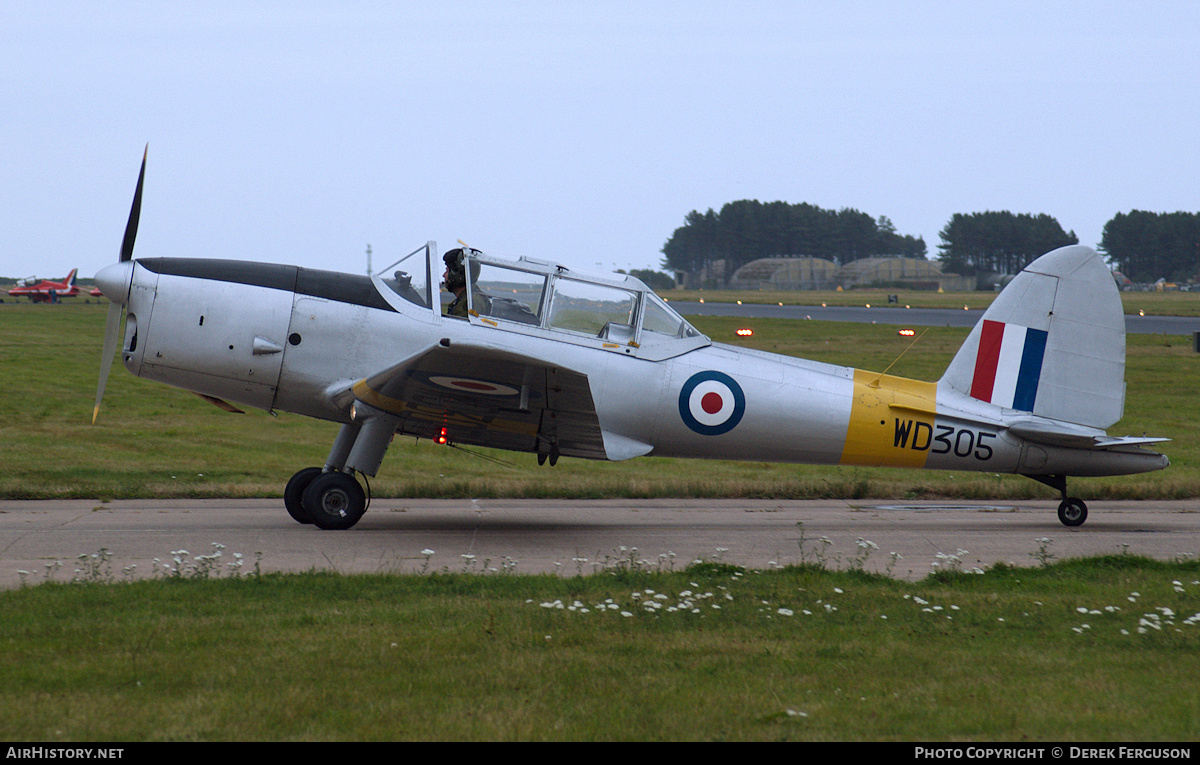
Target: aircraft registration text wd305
531, 356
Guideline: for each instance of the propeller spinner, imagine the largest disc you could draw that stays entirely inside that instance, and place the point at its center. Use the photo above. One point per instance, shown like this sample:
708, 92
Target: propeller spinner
114, 280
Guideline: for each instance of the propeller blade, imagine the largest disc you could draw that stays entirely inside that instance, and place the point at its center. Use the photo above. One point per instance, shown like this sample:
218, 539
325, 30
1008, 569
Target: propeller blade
135, 214
111, 327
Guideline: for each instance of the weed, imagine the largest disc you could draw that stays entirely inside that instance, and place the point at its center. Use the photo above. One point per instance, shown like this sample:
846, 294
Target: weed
816, 556
95, 568
951, 563
1043, 555
865, 547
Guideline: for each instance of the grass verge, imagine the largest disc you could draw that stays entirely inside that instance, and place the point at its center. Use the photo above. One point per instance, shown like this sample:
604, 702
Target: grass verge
1081, 650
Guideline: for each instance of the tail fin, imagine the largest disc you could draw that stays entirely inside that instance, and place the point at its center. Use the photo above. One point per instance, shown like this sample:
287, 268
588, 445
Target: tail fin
70, 280
1052, 343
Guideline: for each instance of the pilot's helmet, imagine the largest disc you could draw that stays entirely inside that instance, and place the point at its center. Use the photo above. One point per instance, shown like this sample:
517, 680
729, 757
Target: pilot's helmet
456, 275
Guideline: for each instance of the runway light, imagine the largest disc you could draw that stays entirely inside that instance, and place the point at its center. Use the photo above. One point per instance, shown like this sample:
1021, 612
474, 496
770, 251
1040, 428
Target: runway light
441, 438
907, 332
739, 302
701, 300
1141, 313
745, 332
965, 308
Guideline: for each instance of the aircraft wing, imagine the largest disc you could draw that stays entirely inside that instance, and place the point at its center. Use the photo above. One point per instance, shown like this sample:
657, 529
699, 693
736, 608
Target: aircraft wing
1074, 437
488, 396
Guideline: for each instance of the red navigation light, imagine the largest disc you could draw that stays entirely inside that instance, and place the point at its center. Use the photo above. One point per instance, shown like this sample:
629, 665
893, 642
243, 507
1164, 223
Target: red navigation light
907, 332
745, 332
441, 437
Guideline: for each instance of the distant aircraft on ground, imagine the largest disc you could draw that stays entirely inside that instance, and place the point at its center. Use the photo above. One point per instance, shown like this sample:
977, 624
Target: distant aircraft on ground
532, 356
45, 290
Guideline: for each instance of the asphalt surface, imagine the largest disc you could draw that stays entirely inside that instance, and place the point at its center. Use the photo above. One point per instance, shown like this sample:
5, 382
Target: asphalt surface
917, 317
57, 539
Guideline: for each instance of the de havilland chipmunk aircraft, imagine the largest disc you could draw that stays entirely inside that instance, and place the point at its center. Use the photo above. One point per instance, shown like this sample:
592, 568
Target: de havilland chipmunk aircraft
535, 357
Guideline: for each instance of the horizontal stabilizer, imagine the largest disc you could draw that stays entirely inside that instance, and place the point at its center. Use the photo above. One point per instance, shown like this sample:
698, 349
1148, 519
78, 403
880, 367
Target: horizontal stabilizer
1066, 435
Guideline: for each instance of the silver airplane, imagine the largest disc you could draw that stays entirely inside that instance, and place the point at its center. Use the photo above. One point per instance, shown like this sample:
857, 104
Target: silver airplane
533, 357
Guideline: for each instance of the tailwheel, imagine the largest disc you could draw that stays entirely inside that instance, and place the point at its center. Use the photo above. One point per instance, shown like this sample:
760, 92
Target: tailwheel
293, 494
1072, 511
335, 501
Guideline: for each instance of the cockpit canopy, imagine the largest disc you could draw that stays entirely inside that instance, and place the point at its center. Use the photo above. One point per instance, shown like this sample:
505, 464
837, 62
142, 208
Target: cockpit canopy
527, 294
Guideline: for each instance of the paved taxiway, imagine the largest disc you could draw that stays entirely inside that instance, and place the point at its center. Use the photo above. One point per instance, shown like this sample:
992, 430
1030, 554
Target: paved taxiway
573, 536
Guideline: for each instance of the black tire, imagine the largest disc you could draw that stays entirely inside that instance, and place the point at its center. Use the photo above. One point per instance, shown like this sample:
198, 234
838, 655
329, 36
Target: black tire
335, 501
293, 494
1072, 512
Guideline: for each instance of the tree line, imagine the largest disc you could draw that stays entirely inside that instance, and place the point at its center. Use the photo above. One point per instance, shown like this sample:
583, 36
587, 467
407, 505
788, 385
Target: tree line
1148, 246
998, 242
1144, 246
747, 230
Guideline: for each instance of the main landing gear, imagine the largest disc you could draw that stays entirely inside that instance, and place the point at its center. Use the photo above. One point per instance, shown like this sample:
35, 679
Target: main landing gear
1072, 511
331, 497
331, 500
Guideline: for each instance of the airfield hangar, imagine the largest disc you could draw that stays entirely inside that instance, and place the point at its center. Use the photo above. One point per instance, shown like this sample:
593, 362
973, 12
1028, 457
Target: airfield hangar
806, 273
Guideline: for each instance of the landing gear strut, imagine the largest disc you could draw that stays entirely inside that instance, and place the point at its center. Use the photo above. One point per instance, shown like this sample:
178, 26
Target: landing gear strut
1072, 511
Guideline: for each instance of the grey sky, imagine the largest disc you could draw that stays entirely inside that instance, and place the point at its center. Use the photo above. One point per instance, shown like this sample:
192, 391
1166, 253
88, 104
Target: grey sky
579, 132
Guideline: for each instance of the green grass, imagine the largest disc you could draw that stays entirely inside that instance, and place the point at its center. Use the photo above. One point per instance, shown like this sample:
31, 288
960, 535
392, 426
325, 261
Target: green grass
1061, 653
1151, 303
157, 441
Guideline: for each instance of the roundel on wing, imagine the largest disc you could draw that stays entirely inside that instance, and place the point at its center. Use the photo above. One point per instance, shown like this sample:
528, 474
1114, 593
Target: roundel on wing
711, 403
473, 385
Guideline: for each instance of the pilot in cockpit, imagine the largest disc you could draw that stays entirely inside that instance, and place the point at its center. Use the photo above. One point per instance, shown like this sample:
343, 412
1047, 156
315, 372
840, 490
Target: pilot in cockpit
455, 281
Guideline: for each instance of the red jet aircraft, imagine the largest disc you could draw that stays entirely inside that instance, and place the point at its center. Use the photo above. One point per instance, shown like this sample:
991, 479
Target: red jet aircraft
47, 291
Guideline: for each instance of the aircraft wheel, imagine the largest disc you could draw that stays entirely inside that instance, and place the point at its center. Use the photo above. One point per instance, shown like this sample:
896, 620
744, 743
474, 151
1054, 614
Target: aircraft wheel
293, 494
1072, 512
335, 501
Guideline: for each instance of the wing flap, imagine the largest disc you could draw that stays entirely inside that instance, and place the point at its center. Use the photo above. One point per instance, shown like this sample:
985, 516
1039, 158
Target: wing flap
487, 396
